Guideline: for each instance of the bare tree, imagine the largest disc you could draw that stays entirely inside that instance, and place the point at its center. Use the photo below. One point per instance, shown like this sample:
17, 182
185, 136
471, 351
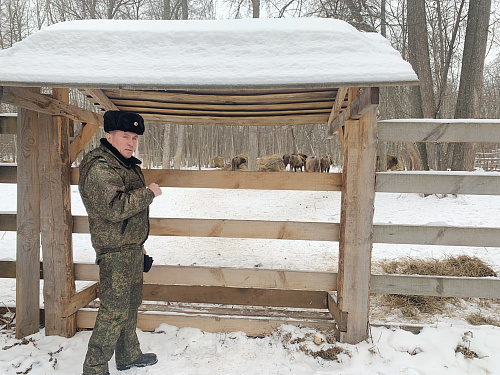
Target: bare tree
471, 78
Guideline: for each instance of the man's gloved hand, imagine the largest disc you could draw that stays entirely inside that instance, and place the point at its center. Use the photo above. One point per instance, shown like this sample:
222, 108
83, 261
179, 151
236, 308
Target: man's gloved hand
148, 262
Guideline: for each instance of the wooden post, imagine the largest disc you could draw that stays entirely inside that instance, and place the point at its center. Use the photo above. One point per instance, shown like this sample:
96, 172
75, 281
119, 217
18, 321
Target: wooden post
356, 224
56, 220
28, 225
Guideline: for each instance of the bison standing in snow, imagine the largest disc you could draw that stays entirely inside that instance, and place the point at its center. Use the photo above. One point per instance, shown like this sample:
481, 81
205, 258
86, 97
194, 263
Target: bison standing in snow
325, 163
312, 164
296, 162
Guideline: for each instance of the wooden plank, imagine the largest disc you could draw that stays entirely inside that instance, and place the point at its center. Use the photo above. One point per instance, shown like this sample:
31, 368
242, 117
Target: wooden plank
439, 286
100, 99
337, 105
269, 120
254, 326
229, 108
238, 180
224, 228
228, 113
487, 183
366, 102
429, 130
8, 269
356, 221
56, 220
436, 235
226, 276
339, 315
28, 224
79, 300
8, 123
8, 174
235, 296
81, 140
24, 98
382, 233
8, 221
221, 97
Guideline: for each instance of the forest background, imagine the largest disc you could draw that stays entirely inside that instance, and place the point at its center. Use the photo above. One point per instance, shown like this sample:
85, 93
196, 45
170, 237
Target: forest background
453, 46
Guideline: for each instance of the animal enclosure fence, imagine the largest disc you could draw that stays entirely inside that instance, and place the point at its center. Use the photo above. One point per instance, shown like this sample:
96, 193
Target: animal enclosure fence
256, 301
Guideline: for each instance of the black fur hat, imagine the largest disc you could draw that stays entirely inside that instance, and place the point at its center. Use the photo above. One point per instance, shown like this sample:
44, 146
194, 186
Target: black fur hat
125, 121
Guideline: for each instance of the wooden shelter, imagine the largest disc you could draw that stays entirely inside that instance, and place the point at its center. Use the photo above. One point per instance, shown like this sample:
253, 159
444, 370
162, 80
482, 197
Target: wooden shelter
237, 72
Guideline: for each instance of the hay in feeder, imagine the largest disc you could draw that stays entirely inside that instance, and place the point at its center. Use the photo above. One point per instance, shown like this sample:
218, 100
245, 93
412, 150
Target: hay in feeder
270, 163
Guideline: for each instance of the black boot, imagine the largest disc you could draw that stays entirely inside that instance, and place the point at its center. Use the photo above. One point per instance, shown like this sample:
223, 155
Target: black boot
146, 359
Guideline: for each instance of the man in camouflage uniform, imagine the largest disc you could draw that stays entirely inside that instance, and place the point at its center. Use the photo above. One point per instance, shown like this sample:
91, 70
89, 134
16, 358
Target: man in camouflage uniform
117, 201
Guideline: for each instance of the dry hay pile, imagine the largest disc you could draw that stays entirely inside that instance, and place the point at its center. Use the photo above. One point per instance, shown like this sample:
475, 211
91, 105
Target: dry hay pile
270, 163
217, 162
412, 305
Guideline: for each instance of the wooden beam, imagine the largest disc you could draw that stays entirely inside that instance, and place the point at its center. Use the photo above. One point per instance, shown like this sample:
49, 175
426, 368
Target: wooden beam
28, 224
144, 105
81, 140
356, 222
252, 326
8, 174
8, 124
56, 220
100, 98
225, 228
226, 276
367, 100
337, 105
438, 182
339, 315
268, 120
238, 180
81, 299
436, 235
24, 98
235, 296
429, 130
222, 97
438, 286
382, 233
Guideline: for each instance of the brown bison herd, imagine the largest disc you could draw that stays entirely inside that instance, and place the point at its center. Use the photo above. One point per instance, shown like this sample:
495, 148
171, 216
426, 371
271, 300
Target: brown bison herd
302, 162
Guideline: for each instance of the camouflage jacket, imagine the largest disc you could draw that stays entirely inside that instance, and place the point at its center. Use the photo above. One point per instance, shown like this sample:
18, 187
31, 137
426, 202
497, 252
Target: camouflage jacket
115, 196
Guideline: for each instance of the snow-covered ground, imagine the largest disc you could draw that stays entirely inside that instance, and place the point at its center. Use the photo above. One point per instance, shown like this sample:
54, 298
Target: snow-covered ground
191, 351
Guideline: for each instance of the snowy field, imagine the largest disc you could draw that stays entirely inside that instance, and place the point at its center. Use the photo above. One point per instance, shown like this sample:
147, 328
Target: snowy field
190, 351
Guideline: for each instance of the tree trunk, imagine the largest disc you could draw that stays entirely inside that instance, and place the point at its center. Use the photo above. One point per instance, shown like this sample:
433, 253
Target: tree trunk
165, 162
471, 77
181, 134
422, 98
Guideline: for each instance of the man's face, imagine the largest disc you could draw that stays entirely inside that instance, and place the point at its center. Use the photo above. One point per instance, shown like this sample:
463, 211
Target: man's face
124, 142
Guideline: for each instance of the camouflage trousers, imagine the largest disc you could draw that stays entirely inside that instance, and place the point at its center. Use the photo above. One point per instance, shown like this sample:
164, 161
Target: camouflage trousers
114, 331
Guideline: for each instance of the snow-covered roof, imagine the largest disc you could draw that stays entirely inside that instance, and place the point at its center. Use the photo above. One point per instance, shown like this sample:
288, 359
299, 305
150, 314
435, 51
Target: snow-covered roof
302, 52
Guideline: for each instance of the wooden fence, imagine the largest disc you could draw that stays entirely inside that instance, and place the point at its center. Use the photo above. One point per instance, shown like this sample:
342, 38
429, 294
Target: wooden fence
256, 301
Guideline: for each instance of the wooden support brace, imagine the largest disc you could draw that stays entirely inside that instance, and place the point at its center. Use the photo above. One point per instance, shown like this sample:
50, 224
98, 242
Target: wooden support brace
100, 99
339, 315
337, 105
367, 100
81, 299
24, 98
81, 140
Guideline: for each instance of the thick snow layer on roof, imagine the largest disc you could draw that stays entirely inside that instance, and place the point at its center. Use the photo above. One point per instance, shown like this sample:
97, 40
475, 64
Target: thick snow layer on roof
265, 52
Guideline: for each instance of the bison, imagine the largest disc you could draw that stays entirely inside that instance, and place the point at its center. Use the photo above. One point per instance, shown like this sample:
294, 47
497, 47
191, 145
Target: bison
312, 164
236, 162
296, 162
286, 159
325, 163
392, 162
